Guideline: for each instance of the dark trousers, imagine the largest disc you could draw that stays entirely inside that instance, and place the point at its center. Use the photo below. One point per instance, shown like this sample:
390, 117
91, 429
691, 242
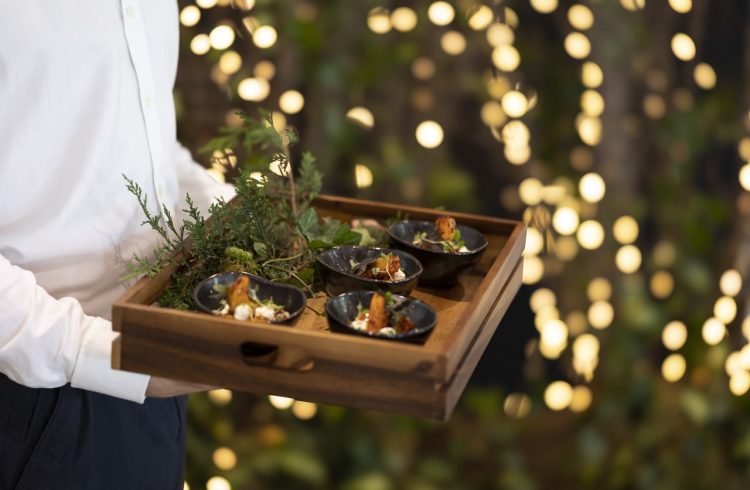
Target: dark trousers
67, 438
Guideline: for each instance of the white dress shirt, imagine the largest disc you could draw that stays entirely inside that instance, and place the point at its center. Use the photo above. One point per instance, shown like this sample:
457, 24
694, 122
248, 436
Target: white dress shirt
85, 98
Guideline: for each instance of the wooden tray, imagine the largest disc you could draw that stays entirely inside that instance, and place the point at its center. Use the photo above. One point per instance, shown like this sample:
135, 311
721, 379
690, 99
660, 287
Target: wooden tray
314, 364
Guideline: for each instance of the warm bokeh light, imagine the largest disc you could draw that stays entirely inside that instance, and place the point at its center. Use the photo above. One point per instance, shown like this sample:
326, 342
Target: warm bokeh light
514, 103
544, 6
565, 220
592, 75
221, 37
731, 282
673, 368
633, 5
745, 176
441, 13
506, 57
254, 89
362, 176
534, 242
601, 314
280, 402
739, 383
590, 234
230, 62
746, 327
599, 289
705, 76
577, 45
566, 248
304, 410
200, 44
628, 259
218, 483
654, 106
558, 395
404, 19
732, 363
674, 335
291, 102
206, 4
725, 309
541, 298
713, 331
429, 134
265, 69
500, 34
190, 15
453, 43
379, 20
582, 398
589, 129
480, 17
683, 47
592, 103
361, 116
580, 17
625, 230
681, 6
224, 458
586, 347
592, 187
661, 284
220, 397
265, 37
533, 270
517, 405
530, 191
492, 114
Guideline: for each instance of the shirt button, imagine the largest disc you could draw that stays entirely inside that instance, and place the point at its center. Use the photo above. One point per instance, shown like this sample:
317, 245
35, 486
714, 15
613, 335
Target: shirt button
129, 11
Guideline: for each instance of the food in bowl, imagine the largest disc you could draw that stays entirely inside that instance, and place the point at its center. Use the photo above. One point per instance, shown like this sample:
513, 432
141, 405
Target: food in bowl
386, 267
384, 316
242, 303
445, 238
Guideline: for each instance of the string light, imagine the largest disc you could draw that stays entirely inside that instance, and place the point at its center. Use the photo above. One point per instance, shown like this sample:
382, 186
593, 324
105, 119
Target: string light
580, 17
190, 15
441, 13
453, 43
534, 242
674, 335
429, 134
265, 37
265, 70
592, 187
713, 331
404, 19
506, 57
725, 309
540, 298
599, 289
681, 6
582, 398
565, 220
480, 17
291, 102
280, 402
628, 259
683, 47
739, 383
253, 89
601, 314
221, 37
533, 270
220, 397
224, 458
705, 76
500, 34
673, 368
731, 282
577, 45
206, 4
590, 234
514, 103
558, 395
304, 410
218, 483
230, 62
200, 44
363, 176
625, 230
544, 6
361, 116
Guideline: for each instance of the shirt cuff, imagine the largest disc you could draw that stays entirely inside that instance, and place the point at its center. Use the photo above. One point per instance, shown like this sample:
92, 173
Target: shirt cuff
93, 370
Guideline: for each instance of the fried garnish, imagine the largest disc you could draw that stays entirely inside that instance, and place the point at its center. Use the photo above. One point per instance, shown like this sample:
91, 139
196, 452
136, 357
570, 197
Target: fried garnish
394, 264
238, 293
378, 314
446, 227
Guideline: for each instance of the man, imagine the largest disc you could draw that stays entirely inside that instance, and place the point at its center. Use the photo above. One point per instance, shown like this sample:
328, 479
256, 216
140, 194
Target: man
85, 97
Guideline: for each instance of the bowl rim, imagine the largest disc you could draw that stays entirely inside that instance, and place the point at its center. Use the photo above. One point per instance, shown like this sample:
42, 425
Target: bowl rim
255, 279
476, 251
407, 279
403, 336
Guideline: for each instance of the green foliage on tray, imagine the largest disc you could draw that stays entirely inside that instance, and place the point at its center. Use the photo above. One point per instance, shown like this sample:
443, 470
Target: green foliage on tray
270, 228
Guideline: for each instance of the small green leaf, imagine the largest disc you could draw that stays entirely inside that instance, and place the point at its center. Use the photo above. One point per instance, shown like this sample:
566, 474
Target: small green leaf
260, 248
345, 236
316, 244
308, 223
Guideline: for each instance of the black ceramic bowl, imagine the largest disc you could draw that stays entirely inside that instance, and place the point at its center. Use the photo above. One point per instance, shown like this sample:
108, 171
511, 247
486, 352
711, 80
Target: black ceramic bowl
440, 268
342, 309
207, 296
335, 269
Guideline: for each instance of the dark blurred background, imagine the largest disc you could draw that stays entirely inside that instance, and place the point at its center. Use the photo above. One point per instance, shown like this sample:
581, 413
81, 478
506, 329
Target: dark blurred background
616, 129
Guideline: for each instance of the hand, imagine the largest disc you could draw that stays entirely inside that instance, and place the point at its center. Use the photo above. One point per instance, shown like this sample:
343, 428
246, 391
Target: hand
163, 387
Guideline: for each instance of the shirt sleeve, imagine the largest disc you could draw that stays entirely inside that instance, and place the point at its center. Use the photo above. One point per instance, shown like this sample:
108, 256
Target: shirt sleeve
47, 342
194, 180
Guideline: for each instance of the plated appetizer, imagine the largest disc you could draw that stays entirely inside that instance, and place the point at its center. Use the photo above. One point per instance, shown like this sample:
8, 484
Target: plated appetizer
380, 315
387, 267
446, 237
351, 268
242, 303
445, 249
244, 296
383, 317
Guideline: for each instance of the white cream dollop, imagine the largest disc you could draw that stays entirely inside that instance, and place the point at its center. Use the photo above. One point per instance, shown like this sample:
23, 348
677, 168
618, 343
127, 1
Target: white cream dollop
387, 332
399, 275
243, 312
360, 325
265, 312
463, 250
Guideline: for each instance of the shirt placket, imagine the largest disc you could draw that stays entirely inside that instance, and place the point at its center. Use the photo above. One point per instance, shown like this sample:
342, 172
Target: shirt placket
135, 35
